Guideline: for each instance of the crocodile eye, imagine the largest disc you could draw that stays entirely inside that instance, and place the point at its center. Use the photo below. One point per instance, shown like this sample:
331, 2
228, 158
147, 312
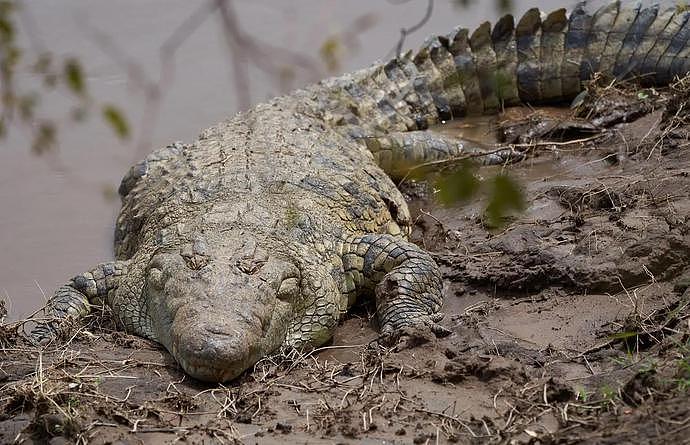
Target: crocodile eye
289, 289
155, 278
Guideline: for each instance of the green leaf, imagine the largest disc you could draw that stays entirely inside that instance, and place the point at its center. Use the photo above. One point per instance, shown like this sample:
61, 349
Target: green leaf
6, 7
6, 31
463, 3
460, 185
330, 53
114, 117
26, 105
11, 57
44, 138
109, 192
74, 76
9, 101
505, 197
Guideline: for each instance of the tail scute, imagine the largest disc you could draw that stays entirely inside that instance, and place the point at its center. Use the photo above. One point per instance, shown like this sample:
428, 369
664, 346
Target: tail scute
485, 63
394, 97
461, 50
654, 45
579, 26
451, 84
602, 23
655, 58
505, 47
528, 37
554, 29
426, 65
419, 97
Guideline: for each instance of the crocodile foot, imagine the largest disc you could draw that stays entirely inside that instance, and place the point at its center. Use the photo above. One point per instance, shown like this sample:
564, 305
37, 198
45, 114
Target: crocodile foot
424, 329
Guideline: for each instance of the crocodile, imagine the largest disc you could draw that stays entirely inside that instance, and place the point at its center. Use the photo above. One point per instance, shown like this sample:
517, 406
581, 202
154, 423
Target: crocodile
263, 232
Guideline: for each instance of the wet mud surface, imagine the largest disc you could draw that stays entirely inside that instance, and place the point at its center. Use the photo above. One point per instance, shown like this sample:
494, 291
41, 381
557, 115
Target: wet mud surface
571, 323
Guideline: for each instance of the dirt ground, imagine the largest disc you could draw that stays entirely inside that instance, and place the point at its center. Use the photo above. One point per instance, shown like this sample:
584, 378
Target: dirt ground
571, 322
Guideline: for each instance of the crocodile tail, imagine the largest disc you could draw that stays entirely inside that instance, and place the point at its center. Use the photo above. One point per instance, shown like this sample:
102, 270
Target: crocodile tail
543, 58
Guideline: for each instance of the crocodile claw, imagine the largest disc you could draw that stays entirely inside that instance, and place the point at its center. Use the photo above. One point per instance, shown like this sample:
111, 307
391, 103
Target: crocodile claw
41, 335
424, 329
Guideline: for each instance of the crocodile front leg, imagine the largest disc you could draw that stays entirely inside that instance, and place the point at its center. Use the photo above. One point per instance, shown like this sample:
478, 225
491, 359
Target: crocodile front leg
72, 301
406, 280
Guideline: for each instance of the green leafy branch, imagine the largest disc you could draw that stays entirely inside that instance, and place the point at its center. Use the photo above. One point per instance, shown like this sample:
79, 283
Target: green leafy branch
22, 104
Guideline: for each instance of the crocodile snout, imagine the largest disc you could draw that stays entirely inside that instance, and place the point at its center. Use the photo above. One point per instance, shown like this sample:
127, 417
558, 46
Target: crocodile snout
214, 355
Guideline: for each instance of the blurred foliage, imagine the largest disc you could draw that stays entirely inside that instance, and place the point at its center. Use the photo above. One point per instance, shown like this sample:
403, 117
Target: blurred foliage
331, 53
21, 104
502, 6
45, 135
74, 76
336, 47
461, 185
114, 117
505, 198
503, 194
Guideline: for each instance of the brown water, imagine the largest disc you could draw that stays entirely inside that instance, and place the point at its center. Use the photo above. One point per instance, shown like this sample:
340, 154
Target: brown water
56, 217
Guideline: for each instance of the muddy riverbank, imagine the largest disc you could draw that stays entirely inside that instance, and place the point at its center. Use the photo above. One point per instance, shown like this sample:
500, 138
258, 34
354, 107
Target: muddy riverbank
571, 323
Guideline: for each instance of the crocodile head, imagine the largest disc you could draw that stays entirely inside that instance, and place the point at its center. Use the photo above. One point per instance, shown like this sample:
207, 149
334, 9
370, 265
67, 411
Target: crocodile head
218, 319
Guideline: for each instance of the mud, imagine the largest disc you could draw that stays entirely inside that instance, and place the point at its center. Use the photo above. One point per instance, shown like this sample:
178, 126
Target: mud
571, 321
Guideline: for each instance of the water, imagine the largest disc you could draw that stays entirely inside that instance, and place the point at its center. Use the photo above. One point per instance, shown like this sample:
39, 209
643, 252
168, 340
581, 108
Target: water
57, 211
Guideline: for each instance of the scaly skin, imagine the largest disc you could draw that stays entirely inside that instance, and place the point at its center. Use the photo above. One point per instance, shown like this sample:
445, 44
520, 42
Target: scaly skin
263, 232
